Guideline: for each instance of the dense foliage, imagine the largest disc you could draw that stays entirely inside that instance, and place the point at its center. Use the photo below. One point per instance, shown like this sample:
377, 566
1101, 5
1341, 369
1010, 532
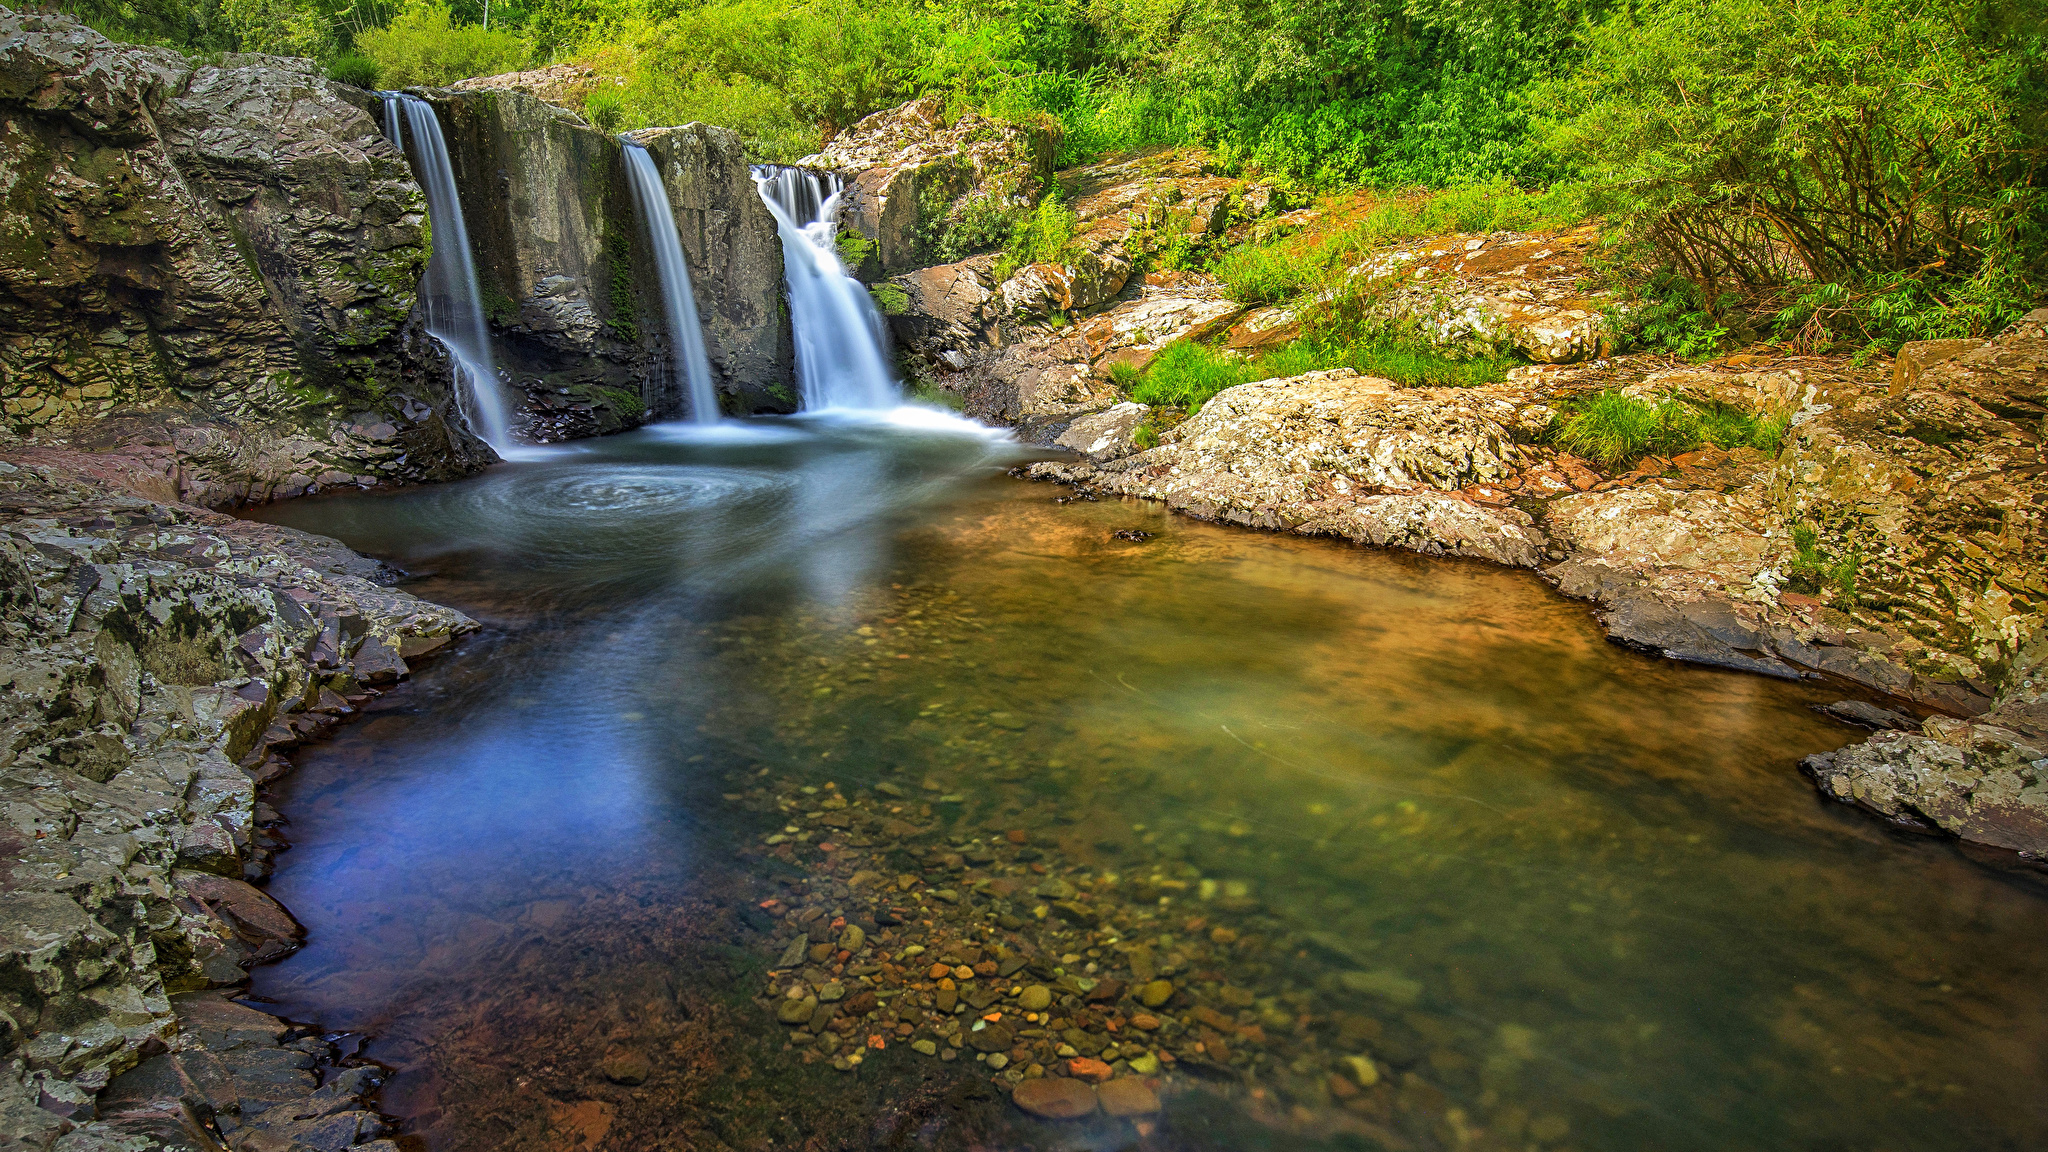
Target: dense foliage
1817, 170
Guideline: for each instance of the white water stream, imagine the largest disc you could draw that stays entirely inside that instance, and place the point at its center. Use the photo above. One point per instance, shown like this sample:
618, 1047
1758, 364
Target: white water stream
687, 360
448, 291
842, 360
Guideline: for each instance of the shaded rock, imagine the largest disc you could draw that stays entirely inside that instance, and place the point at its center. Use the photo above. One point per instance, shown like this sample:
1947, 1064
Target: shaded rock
1867, 715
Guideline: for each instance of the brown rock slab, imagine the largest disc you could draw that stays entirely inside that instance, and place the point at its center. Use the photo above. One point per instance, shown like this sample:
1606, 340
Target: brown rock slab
1127, 1096
1055, 1098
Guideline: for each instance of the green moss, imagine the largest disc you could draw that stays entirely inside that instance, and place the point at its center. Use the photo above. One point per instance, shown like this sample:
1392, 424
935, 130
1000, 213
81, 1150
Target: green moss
891, 299
628, 405
624, 300
498, 307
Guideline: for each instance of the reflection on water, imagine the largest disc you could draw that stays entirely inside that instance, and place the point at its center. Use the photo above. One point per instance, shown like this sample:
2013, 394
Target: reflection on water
1601, 908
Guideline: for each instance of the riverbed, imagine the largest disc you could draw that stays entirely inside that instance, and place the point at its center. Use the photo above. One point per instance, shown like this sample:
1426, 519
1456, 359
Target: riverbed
1362, 803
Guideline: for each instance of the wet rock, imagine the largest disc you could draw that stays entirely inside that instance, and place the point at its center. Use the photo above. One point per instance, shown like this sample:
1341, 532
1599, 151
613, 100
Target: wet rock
1384, 983
1867, 715
1127, 1097
990, 1038
1055, 1098
1035, 998
1090, 1069
197, 382
1156, 993
797, 1011
627, 1066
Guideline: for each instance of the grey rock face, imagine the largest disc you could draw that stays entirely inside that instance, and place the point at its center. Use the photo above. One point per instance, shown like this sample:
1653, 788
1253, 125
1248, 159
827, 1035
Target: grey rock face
223, 256
568, 280
1106, 435
152, 658
1337, 454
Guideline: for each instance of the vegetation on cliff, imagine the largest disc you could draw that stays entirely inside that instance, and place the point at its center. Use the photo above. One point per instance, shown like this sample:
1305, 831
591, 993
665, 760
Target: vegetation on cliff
1868, 170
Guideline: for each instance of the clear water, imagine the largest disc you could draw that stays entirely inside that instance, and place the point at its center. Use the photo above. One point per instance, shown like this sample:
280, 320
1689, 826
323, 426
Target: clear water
1629, 923
688, 362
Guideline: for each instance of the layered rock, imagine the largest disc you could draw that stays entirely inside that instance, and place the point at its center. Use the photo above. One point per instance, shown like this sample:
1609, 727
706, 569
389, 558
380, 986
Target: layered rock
567, 276
154, 658
215, 262
1499, 293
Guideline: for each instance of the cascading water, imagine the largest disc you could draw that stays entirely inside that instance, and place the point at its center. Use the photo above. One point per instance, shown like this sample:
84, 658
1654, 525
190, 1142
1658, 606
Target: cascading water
691, 367
448, 291
841, 357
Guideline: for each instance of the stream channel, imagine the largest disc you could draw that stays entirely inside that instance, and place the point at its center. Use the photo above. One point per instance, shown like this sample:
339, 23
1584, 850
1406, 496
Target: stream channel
1350, 802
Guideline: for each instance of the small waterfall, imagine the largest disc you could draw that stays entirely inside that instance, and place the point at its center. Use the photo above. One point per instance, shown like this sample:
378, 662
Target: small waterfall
692, 369
454, 313
841, 346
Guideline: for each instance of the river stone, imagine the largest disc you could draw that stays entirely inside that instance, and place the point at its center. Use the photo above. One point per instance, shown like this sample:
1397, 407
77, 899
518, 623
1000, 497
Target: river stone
993, 1038
1156, 993
1055, 1098
832, 993
1127, 1096
626, 1066
853, 938
1035, 998
796, 1011
1385, 983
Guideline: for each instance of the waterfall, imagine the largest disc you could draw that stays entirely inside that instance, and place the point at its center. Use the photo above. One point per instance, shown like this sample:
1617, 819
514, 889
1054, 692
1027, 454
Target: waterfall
690, 367
448, 291
841, 346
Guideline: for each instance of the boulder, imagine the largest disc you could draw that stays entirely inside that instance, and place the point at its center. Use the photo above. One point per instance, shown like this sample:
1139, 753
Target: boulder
1055, 1098
1106, 435
1978, 781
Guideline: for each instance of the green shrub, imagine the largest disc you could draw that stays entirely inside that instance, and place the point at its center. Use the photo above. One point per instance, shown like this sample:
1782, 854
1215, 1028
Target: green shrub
1812, 570
1264, 274
1046, 236
1124, 376
605, 109
1866, 162
359, 71
1613, 429
424, 47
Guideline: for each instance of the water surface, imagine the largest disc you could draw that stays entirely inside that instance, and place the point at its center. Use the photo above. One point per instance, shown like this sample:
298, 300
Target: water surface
1599, 906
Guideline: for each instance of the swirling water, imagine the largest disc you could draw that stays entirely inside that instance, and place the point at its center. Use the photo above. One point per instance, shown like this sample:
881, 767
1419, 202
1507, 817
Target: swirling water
1623, 919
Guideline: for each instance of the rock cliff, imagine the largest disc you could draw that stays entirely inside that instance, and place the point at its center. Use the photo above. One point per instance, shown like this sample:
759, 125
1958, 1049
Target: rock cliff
154, 659
211, 265
567, 277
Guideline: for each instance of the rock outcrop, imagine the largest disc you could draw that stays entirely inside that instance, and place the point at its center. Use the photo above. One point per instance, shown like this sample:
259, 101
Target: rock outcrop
1338, 454
920, 184
1896, 540
567, 275
155, 658
214, 264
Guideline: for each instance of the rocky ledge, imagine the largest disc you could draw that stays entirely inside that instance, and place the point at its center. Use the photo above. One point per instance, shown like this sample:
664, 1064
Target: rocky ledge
156, 660
213, 265
1922, 493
